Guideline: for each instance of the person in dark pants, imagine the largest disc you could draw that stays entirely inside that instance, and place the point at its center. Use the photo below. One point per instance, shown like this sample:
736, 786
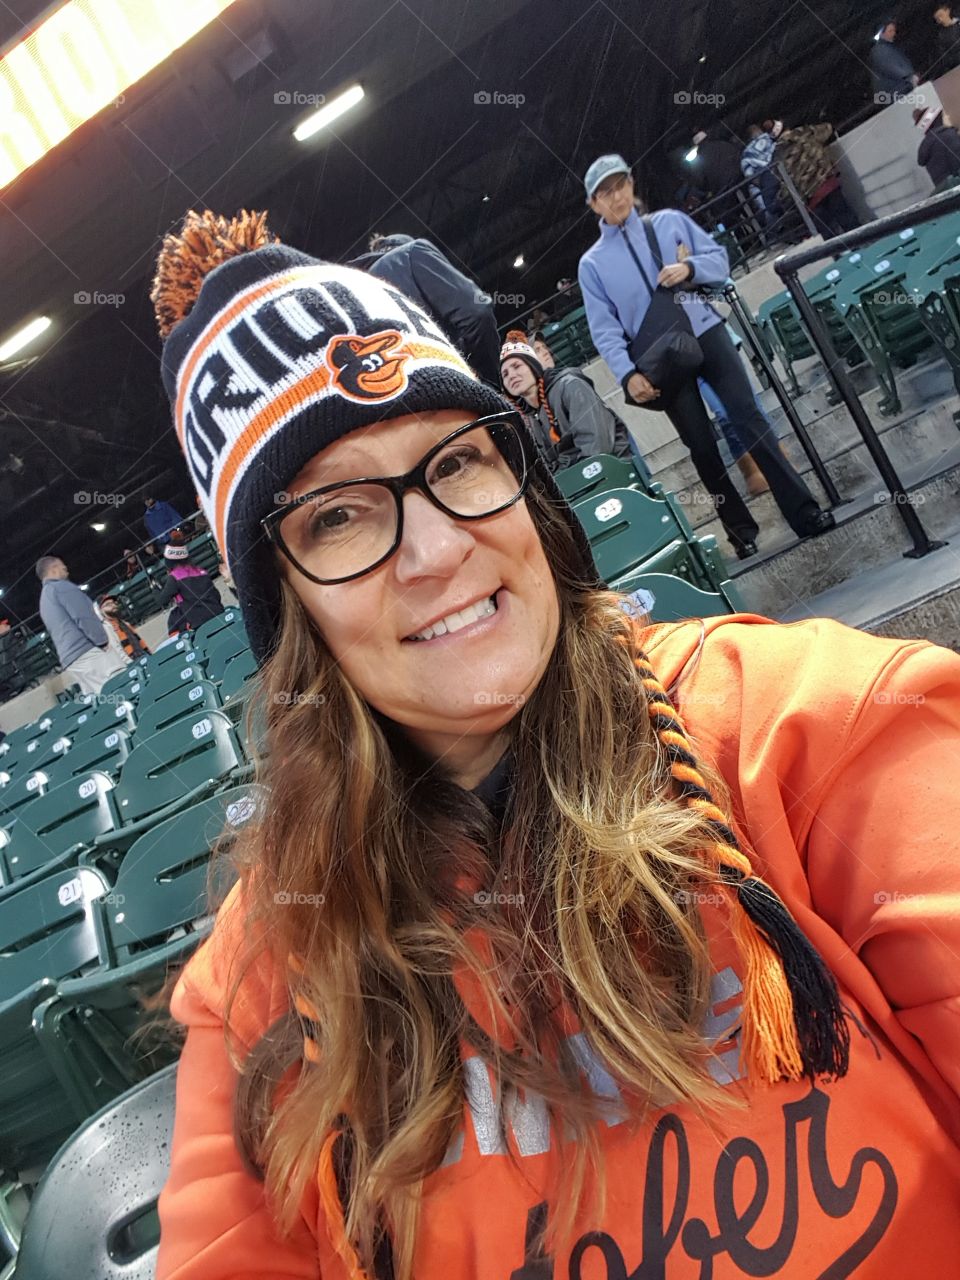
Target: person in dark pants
418, 269
939, 152
612, 279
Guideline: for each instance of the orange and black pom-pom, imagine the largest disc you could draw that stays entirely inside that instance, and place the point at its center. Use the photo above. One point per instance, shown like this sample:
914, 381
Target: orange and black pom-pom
188, 256
517, 335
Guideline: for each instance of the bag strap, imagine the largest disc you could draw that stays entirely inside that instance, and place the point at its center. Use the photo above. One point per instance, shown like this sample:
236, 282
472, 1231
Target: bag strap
652, 241
639, 265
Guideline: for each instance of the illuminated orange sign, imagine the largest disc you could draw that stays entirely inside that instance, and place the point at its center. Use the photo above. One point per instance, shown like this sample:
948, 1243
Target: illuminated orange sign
78, 61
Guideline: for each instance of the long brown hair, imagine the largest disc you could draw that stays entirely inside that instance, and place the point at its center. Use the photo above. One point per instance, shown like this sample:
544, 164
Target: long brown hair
590, 882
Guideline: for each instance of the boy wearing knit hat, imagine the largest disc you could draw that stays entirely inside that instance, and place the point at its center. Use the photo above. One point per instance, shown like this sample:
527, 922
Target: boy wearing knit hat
571, 422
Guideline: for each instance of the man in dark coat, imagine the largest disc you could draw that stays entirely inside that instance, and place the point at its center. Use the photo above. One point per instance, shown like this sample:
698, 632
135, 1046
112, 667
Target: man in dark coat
418, 269
893, 73
939, 151
948, 41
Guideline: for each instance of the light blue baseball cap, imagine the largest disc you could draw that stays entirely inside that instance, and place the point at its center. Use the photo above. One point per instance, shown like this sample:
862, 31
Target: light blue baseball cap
601, 169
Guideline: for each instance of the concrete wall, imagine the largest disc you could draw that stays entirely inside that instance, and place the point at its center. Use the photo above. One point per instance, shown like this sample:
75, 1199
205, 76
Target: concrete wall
878, 159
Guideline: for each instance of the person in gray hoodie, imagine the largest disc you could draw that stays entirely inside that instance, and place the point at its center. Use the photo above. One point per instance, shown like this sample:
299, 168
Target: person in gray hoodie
78, 635
571, 422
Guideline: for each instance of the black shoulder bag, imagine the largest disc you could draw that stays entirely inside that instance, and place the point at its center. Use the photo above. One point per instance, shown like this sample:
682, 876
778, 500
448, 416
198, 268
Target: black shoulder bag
664, 349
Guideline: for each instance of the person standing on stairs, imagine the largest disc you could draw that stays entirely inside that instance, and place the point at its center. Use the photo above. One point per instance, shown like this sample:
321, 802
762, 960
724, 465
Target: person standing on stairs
627, 273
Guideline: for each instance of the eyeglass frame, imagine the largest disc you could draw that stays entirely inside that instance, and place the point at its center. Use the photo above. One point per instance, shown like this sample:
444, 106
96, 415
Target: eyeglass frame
622, 179
399, 486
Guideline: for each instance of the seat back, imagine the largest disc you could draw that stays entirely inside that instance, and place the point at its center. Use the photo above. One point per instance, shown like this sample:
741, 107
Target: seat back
182, 650
625, 527
19, 791
195, 750
668, 599
229, 618
115, 711
204, 553
57, 825
46, 750
105, 753
223, 648
48, 930
175, 675
163, 881
126, 684
595, 475
176, 702
96, 1205
237, 678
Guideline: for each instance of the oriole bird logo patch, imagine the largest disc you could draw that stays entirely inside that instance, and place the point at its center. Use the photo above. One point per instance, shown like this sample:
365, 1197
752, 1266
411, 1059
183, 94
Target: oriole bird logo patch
368, 369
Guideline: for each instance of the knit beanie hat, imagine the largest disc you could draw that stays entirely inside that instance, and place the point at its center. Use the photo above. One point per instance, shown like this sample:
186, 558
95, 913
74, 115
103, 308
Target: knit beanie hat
517, 346
174, 552
269, 356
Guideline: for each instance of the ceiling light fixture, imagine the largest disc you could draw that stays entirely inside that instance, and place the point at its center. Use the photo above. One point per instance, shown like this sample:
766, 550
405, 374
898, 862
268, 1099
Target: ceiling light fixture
98, 528
518, 261
329, 112
692, 154
24, 336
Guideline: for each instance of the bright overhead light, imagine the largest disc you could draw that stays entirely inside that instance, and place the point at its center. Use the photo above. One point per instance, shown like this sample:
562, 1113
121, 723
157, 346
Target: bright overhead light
17, 341
329, 112
98, 528
84, 586
485, 199
692, 154
702, 58
518, 260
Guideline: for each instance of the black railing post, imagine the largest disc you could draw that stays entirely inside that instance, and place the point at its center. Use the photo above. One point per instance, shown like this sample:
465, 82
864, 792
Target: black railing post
788, 269
789, 408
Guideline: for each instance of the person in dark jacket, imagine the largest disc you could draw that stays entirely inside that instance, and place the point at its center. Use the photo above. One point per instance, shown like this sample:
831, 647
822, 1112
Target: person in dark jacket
571, 422
948, 41
893, 73
418, 269
939, 152
191, 588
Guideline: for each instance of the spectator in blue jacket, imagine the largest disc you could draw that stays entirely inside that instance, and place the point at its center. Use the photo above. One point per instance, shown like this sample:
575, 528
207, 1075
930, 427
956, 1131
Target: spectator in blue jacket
756, 160
616, 298
893, 73
159, 518
78, 635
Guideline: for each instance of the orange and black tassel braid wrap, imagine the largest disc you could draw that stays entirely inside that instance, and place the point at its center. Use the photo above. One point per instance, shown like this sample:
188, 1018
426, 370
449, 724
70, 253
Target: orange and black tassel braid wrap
793, 1021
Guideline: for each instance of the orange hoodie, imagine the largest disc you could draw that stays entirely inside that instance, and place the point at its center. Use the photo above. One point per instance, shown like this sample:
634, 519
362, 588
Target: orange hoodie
842, 755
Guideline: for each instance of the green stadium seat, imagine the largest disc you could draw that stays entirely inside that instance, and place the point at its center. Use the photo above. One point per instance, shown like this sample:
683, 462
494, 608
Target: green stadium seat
19, 791
43, 751
104, 753
96, 1204
172, 769
53, 829
204, 553
127, 684
225, 646
61, 718
673, 599
597, 475
229, 618
47, 932
169, 677
179, 701
36, 659
182, 650
238, 680
115, 711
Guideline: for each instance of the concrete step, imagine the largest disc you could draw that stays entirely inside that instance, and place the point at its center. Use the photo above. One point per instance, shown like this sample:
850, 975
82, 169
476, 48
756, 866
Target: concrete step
902, 598
789, 574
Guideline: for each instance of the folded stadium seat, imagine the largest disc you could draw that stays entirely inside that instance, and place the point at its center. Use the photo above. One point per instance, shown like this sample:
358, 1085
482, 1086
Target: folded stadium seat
182, 650
104, 753
163, 904
17, 740
204, 553
178, 701
45, 750
229, 618
47, 932
19, 791
53, 829
225, 646
137, 597
96, 1204
172, 769
167, 678
597, 475
60, 719
36, 659
627, 530
115, 711
238, 682
669, 599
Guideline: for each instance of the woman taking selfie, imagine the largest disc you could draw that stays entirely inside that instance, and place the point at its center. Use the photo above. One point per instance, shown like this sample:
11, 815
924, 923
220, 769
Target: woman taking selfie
564, 946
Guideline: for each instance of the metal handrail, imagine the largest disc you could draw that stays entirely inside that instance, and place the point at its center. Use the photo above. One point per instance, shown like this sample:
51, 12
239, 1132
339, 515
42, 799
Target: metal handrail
788, 267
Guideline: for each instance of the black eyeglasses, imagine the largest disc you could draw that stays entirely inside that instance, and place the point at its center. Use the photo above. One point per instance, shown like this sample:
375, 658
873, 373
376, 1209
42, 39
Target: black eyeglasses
344, 530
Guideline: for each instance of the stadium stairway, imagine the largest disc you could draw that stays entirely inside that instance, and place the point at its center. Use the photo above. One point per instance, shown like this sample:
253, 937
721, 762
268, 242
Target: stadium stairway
855, 573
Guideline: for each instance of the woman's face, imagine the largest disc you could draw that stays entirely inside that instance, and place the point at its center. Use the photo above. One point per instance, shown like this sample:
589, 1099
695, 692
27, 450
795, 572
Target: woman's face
453, 692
